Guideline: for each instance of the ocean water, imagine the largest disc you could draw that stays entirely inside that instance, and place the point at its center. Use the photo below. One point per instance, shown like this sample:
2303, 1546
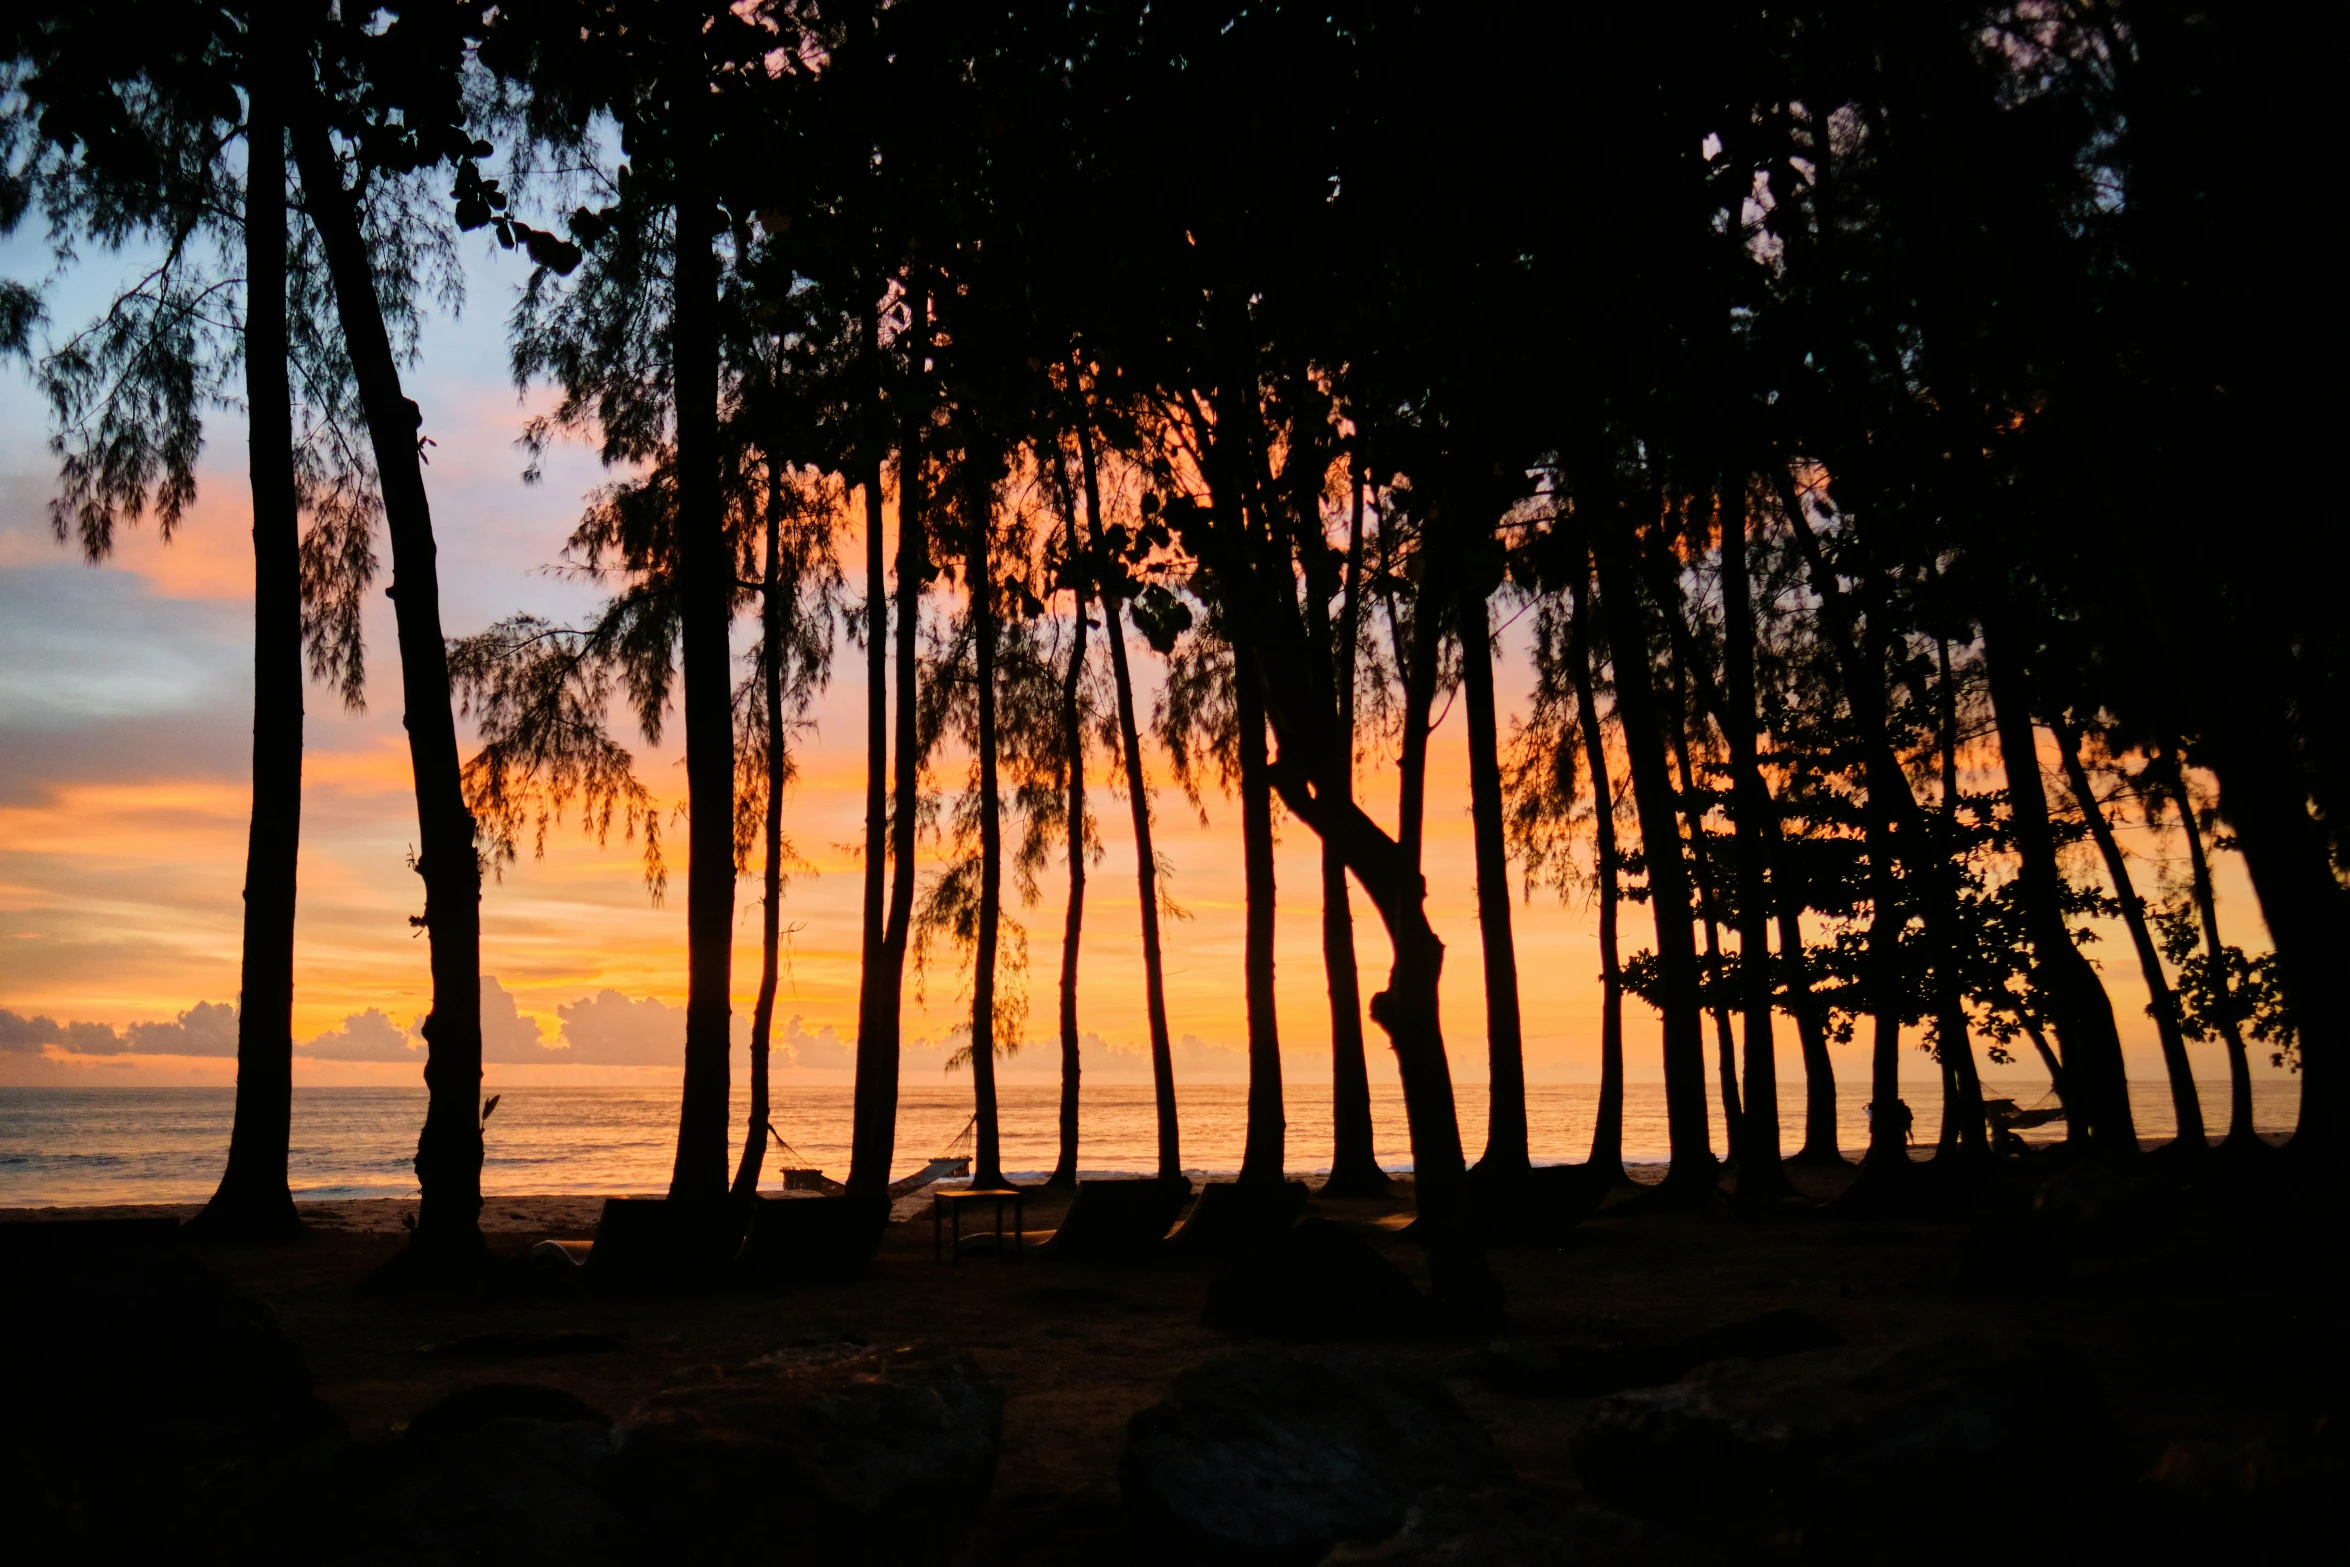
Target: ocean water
75, 1146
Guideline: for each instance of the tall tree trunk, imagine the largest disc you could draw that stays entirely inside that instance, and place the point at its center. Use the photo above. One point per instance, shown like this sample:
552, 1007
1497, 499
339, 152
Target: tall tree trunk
883, 989
1642, 724
1607, 1132
1073, 925
255, 1201
2186, 1106
1264, 1150
448, 1152
873, 1115
1889, 1116
1897, 830
1757, 828
2240, 1130
706, 578
1821, 1145
775, 611
1506, 1151
987, 1167
1409, 1010
1963, 1086
1354, 1163
2097, 1085
1146, 863
1693, 811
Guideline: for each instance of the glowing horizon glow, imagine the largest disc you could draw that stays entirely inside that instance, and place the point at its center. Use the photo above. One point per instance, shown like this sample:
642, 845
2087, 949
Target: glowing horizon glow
124, 719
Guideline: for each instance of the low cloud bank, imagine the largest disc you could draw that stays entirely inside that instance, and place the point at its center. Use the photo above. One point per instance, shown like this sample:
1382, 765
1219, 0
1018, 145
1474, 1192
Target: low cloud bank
605, 1028
209, 1028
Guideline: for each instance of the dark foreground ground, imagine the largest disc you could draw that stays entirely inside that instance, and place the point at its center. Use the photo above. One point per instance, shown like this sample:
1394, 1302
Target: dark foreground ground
2078, 1365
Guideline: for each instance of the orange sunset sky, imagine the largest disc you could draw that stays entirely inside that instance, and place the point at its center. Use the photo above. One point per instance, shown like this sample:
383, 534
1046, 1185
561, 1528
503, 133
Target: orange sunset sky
124, 733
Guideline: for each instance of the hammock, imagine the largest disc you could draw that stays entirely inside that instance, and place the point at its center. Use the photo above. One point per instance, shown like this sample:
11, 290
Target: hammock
2004, 1112
812, 1179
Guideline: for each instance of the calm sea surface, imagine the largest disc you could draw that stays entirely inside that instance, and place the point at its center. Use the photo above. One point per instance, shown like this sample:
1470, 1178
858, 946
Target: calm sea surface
70, 1146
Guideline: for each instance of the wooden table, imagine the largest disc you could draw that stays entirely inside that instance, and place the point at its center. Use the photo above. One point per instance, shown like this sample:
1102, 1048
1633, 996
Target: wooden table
943, 1204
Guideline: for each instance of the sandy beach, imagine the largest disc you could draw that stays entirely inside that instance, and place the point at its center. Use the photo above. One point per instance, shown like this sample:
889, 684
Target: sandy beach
2221, 1372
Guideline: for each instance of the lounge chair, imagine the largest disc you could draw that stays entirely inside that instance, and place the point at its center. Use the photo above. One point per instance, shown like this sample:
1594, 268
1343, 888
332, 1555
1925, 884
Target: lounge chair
1117, 1221
793, 1240
647, 1241
1232, 1216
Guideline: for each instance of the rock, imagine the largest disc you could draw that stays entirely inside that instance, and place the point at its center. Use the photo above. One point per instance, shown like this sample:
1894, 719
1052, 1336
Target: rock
1533, 1366
131, 1370
866, 1459
1317, 1282
1264, 1457
1508, 1526
1845, 1449
506, 1472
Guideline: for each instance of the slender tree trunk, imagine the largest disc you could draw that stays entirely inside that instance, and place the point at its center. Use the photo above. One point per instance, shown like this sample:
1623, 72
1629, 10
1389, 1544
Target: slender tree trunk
878, 1060
1146, 864
1642, 724
1757, 829
2098, 1086
1354, 1163
1693, 811
1409, 1010
448, 1153
2074, 1128
1073, 925
1264, 1150
2240, 1130
774, 610
2186, 1107
987, 1168
1821, 1140
1607, 1132
1889, 1117
706, 578
255, 1201
1963, 1087
874, 1111
1506, 1151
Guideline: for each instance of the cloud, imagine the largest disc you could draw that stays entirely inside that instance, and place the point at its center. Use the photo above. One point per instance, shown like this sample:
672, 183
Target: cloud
363, 1036
822, 1051
26, 1035
506, 1035
209, 1028
608, 1029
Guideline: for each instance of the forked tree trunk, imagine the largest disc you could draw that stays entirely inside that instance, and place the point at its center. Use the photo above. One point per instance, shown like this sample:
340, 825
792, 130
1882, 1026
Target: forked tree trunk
706, 578
882, 991
1506, 1150
448, 1153
2186, 1106
2240, 1130
1354, 1163
2098, 1087
774, 611
1757, 828
987, 1167
1146, 864
1263, 1152
1607, 1131
1642, 724
873, 1114
255, 1201
1073, 924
